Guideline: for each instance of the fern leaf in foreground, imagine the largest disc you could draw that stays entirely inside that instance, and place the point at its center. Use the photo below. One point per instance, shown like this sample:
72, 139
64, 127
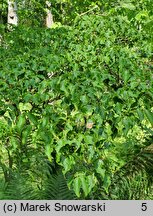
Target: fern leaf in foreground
134, 180
56, 188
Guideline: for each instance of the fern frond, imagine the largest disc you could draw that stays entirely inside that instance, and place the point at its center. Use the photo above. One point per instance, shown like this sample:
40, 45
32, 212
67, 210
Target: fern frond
135, 179
20, 188
56, 188
3, 187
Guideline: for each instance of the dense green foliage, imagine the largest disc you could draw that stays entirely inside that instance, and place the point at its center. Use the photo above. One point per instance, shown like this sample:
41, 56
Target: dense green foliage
76, 107
65, 11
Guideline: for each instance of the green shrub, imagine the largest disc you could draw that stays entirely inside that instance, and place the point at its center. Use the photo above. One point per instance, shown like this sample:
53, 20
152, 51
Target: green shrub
80, 97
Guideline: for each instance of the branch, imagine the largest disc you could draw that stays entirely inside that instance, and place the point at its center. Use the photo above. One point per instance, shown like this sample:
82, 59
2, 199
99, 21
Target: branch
88, 10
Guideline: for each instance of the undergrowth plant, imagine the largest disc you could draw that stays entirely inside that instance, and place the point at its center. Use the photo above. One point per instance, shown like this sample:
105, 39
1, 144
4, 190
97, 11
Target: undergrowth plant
76, 110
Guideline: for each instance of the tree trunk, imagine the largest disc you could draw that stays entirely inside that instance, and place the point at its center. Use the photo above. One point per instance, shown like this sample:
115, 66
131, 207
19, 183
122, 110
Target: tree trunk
49, 16
12, 13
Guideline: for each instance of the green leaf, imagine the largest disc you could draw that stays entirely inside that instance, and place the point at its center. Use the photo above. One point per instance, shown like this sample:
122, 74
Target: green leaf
32, 118
21, 122
77, 186
149, 116
88, 139
126, 76
101, 171
25, 106
84, 184
107, 183
92, 180
141, 14
60, 144
48, 151
140, 114
100, 168
68, 163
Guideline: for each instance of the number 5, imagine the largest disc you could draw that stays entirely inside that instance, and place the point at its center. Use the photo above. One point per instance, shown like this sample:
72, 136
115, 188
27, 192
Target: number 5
144, 207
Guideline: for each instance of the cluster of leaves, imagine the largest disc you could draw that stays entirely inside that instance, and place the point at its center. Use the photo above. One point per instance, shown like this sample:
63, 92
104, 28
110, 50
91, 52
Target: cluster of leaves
32, 12
79, 97
33, 9
65, 11
3, 12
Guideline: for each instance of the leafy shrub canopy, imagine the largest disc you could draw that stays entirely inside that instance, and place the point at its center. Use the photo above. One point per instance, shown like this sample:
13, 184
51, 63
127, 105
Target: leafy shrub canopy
81, 94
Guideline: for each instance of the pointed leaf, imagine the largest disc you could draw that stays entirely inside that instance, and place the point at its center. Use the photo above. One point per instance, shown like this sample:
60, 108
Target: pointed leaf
77, 186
